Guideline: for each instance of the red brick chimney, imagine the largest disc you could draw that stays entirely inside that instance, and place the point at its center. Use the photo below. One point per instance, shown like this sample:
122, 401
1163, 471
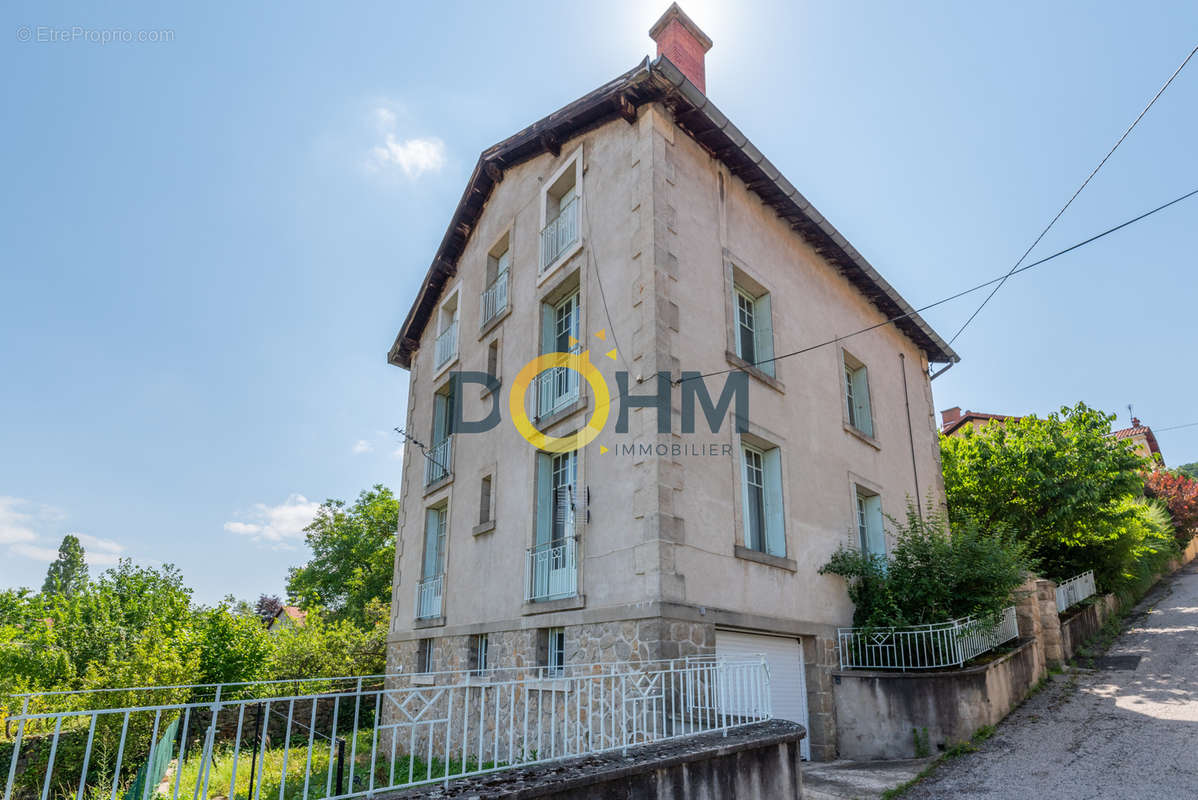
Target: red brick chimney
949, 416
680, 40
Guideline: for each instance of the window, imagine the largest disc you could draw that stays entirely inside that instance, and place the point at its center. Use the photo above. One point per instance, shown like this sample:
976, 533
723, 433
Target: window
438, 462
554, 650
856, 393
870, 531
560, 200
761, 476
553, 559
484, 501
446, 349
754, 329
432, 566
478, 654
494, 298
493, 359
424, 655
560, 326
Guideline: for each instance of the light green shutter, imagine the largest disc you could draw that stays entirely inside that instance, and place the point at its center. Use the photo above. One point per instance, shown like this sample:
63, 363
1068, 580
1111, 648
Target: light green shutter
432, 543
763, 333
875, 526
775, 525
544, 498
864, 416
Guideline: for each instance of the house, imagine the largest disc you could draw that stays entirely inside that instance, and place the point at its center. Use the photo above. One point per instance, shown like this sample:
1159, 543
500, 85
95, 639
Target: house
638, 232
953, 421
1142, 439
287, 617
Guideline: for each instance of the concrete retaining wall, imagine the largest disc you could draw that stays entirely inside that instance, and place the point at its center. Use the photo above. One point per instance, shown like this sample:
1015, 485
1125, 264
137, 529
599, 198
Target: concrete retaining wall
1078, 626
876, 712
756, 762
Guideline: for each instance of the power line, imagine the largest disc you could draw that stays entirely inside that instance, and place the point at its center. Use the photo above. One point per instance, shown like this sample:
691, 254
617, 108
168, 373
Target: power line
1085, 183
960, 294
1175, 427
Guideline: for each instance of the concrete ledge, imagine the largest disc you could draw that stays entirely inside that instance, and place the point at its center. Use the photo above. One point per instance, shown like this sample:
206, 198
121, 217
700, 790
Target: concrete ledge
756, 761
429, 622
549, 606
876, 711
757, 372
765, 558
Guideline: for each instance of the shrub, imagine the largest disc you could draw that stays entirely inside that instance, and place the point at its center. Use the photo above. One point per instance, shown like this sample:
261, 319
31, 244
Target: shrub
932, 576
1180, 493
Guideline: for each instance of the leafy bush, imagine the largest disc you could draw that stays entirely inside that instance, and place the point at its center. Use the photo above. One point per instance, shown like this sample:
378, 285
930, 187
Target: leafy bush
1137, 550
1059, 484
931, 576
1180, 492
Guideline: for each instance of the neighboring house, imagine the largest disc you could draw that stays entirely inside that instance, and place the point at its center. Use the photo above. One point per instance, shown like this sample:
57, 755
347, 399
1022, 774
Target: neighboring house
1143, 441
640, 214
287, 617
953, 421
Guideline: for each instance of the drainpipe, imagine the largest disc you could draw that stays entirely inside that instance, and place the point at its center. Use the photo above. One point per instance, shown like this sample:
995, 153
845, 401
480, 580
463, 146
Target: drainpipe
911, 435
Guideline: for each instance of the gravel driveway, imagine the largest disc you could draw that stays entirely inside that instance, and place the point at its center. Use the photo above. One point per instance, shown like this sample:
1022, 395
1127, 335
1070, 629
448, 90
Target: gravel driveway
1111, 733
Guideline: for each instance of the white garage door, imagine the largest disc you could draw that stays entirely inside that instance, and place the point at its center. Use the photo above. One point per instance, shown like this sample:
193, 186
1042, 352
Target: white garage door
788, 684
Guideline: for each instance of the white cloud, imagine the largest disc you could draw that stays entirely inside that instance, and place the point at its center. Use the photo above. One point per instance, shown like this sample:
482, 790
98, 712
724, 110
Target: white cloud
362, 446
415, 155
17, 530
279, 524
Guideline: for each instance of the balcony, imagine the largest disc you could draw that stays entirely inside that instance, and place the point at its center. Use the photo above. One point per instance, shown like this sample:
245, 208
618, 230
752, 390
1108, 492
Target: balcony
557, 387
438, 463
494, 299
428, 597
447, 345
553, 570
560, 234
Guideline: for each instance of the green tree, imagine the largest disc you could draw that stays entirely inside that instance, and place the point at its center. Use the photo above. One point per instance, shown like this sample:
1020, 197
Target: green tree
1189, 469
234, 647
326, 647
353, 555
1058, 484
67, 573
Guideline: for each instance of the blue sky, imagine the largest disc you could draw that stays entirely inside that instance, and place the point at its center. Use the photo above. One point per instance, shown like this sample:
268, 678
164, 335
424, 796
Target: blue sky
210, 242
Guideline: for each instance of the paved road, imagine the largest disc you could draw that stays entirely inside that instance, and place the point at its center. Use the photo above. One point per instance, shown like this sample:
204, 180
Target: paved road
1107, 734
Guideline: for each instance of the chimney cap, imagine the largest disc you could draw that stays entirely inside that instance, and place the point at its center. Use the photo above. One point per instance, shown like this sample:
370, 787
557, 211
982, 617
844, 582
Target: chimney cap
674, 12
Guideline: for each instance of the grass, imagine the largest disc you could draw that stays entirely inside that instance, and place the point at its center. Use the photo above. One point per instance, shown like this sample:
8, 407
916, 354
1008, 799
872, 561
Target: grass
269, 771
954, 751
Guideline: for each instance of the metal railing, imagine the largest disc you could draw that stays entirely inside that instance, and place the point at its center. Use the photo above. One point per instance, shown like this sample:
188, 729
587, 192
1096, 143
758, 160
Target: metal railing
938, 645
428, 597
557, 387
494, 299
559, 233
439, 461
553, 569
447, 345
1075, 590
370, 735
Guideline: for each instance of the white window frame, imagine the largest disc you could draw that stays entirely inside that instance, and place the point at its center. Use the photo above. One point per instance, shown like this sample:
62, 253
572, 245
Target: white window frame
870, 521
747, 291
555, 656
858, 395
573, 161
773, 516
452, 296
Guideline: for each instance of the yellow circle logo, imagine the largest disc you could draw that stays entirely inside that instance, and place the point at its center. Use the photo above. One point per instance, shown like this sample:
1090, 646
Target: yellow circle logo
576, 362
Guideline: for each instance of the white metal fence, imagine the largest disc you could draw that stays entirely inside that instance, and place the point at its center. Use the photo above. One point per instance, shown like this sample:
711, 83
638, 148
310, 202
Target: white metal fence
439, 462
494, 299
560, 233
428, 597
1075, 590
447, 345
938, 645
342, 738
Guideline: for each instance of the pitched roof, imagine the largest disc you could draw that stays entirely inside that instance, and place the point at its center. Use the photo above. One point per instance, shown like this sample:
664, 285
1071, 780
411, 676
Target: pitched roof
296, 615
650, 81
974, 416
1137, 429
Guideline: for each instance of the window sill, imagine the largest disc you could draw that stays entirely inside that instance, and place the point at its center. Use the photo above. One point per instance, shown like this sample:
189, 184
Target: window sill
548, 685
420, 679
787, 564
869, 440
441, 370
549, 606
434, 486
565, 412
756, 372
486, 390
483, 527
490, 324
559, 262
429, 622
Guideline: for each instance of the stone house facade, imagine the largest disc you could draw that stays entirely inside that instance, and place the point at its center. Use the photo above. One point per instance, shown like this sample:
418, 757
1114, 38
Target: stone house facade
638, 231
